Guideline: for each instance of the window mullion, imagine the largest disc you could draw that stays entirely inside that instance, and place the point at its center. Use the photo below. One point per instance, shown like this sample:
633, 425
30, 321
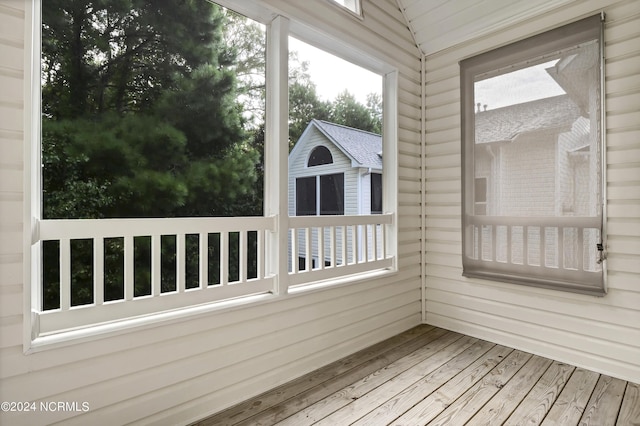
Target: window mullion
276, 149
318, 196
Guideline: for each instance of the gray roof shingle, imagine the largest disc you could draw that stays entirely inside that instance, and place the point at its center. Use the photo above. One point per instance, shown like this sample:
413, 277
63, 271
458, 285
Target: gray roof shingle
365, 148
504, 124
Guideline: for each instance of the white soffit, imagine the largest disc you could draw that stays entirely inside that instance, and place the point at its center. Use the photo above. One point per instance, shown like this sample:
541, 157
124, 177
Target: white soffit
439, 24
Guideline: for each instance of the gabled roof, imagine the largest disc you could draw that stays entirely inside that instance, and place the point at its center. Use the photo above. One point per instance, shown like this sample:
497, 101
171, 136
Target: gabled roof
363, 148
504, 124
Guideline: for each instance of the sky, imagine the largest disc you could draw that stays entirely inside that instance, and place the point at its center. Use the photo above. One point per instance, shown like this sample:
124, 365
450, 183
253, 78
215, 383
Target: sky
332, 75
524, 85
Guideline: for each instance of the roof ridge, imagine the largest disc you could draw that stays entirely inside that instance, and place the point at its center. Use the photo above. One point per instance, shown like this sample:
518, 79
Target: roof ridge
346, 127
528, 104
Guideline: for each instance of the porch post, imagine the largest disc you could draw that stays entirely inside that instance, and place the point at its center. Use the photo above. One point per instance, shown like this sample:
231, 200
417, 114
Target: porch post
276, 151
390, 160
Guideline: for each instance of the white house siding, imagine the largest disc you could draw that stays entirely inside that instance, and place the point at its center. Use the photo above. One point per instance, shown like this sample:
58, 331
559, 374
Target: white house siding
527, 176
181, 370
341, 164
11, 180
598, 333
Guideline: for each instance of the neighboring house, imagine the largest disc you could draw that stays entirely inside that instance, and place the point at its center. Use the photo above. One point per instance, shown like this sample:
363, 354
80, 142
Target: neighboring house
516, 141
334, 170
541, 159
531, 160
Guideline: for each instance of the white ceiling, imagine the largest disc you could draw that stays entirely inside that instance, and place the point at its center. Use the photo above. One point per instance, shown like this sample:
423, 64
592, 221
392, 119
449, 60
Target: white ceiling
439, 24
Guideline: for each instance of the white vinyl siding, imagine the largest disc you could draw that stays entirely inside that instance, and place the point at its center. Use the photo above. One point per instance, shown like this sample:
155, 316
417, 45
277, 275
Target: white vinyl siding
597, 333
365, 192
341, 164
185, 368
11, 179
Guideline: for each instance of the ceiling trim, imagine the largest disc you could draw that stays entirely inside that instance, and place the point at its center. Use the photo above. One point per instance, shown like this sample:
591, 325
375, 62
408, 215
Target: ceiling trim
498, 16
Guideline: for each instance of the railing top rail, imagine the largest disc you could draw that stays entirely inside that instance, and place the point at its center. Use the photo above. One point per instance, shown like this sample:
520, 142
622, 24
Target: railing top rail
317, 221
553, 221
55, 229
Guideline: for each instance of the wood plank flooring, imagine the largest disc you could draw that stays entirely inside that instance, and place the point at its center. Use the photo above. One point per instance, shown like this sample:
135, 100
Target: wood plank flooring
431, 376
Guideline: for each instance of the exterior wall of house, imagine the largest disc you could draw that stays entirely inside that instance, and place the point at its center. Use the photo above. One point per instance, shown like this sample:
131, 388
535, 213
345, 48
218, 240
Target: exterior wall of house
183, 369
602, 334
575, 191
527, 176
341, 164
365, 191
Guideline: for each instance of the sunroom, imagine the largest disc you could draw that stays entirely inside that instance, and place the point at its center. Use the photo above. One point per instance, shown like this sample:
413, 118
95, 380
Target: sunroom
150, 265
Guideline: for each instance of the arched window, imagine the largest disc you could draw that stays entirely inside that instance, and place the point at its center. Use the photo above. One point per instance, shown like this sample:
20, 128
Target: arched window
320, 155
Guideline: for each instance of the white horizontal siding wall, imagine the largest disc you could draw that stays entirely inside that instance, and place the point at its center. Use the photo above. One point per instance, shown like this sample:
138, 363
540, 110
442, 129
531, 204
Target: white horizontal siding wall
602, 334
180, 371
341, 164
11, 180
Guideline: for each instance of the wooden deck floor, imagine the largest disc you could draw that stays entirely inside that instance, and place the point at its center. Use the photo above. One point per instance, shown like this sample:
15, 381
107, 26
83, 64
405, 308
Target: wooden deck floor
432, 376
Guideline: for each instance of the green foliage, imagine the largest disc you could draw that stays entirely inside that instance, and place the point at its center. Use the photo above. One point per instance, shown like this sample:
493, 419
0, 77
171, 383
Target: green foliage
114, 167
304, 105
68, 191
142, 111
349, 112
144, 115
248, 41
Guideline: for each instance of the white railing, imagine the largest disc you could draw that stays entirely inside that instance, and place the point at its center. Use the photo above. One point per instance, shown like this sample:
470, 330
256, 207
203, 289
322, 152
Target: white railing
562, 248
215, 246
326, 247
169, 264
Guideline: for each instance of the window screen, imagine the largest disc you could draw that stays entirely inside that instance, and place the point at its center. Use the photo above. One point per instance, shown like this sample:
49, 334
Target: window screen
532, 149
376, 193
306, 196
319, 156
331, 189
332, 194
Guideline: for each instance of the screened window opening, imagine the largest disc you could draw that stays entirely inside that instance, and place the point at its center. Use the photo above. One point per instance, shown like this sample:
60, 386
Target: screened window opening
306, 196
319, 156
127, 133
532, 143
376, 193
332, 194
337, 144
175, 235
330, 189
126, 114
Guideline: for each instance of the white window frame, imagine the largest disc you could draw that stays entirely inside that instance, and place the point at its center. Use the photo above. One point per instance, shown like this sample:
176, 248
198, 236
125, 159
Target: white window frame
354, 7
316, 148
279, 28
318, 184
520, 52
